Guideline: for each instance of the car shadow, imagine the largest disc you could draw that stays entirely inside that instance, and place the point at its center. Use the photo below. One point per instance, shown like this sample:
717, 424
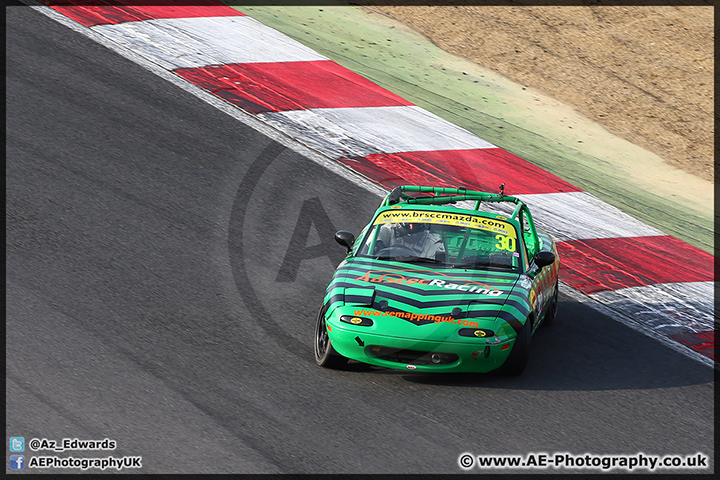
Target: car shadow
582, 350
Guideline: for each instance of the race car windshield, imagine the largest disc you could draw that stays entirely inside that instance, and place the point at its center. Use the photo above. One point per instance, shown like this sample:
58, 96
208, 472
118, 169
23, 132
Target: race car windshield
445, 239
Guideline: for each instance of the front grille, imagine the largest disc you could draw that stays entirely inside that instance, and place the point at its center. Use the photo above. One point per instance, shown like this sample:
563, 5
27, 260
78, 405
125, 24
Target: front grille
415, 357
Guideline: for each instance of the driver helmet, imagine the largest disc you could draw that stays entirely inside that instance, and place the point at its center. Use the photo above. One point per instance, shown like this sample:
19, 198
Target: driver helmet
411, 228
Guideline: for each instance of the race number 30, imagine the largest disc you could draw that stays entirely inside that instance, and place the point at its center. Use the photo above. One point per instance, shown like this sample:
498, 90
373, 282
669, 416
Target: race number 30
505, 243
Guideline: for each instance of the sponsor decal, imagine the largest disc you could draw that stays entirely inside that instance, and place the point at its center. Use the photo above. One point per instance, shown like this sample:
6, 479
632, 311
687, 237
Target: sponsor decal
443, 218
397, 277
411, 367
417, 317
533, 299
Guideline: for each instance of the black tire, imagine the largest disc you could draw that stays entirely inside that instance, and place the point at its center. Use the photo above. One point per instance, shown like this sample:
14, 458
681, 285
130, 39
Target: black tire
552, 310
518, 358
325, 355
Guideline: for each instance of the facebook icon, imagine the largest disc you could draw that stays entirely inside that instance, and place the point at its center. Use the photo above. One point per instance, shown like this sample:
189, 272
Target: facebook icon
17, 462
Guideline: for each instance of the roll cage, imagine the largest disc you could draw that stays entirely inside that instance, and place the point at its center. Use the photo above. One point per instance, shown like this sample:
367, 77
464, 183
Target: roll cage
444, 196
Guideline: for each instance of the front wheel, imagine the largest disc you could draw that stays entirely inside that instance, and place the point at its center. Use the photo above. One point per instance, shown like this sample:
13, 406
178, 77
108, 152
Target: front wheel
518, 358
325, 355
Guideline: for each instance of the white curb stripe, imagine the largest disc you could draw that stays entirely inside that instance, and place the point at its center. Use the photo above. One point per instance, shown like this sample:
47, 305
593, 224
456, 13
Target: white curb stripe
578, 216
198, 42
581, 216
339, 132
669, 308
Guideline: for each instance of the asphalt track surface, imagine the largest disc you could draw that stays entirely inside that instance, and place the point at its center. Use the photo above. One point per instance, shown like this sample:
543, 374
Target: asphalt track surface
164, 267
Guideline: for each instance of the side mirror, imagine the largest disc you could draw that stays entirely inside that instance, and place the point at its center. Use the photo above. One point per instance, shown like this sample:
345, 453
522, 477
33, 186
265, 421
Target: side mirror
345, 238
543, 259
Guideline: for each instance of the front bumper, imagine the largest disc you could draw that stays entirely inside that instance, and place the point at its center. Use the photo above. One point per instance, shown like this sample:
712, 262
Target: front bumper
476, 355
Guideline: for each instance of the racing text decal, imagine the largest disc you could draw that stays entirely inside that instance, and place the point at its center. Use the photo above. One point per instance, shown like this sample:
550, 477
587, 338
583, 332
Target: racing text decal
394, 276
442, 218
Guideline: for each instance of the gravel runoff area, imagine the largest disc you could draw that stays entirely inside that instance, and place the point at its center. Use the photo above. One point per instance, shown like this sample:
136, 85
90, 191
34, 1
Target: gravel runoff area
643, 72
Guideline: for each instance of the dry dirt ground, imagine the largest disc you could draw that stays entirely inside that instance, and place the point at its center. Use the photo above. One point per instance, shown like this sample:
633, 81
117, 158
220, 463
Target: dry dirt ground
643, 72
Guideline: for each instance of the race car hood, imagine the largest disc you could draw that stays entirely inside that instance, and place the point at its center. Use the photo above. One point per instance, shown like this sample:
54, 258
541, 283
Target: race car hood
420, 293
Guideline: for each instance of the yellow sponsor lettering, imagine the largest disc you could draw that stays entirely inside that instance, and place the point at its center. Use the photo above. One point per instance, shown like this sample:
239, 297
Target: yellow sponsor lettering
442, 218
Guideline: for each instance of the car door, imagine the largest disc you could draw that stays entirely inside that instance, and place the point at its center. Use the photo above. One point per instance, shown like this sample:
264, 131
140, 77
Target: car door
543, 279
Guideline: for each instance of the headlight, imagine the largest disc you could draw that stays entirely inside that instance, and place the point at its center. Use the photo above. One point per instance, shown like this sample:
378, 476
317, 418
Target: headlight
358, 321
476, 332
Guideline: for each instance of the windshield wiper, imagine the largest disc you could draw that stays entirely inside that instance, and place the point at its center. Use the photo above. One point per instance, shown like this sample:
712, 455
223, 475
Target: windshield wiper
472, 265
484, 265
425, 260
409, 259
399, 258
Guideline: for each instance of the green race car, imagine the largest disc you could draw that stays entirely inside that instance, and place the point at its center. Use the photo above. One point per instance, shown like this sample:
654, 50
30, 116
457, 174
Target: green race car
430, 286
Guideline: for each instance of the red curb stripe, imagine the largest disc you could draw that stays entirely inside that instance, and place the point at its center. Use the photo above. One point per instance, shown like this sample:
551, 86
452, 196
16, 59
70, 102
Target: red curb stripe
283, 86
103, 12
701, 342
480, 169
601, 264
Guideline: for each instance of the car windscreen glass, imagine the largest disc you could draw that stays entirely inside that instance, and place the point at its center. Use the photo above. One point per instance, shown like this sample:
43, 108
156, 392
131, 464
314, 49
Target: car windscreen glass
454, 240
